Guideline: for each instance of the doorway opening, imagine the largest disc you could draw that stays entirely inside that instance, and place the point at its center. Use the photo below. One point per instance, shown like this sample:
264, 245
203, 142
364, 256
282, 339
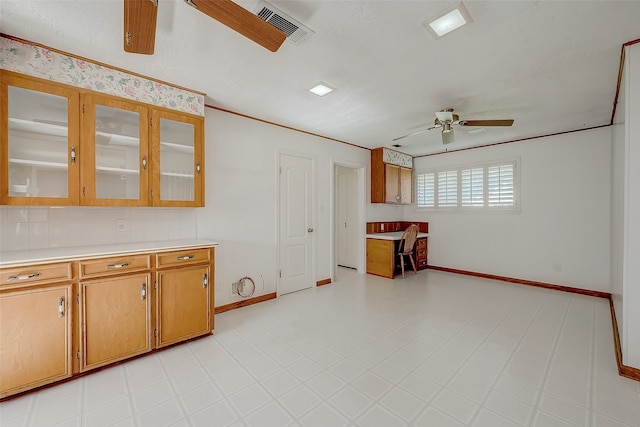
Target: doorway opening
348, 222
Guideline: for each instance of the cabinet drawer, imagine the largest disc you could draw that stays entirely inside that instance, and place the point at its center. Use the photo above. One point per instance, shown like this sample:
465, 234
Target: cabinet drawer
421, 254
422, 263
421, 243
13, 277
183, 257
114, 265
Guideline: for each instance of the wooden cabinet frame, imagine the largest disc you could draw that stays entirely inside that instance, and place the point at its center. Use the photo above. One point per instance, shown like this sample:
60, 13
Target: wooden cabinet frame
81, 140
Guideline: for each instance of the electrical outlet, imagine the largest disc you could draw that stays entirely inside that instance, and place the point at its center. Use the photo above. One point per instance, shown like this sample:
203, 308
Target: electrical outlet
121, 225
234, 288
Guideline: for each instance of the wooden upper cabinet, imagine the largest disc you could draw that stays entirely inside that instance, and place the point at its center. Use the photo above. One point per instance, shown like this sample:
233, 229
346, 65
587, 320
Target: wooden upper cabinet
115, 152
67, 146
39, 140
391, 182
178, 159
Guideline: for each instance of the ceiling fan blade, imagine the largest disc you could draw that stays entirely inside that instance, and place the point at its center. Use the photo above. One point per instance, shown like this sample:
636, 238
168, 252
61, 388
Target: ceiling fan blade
140, 26
485, 122
416, 133
241, 20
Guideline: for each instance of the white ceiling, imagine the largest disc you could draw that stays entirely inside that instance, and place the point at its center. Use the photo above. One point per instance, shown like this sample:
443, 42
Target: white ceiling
550, 65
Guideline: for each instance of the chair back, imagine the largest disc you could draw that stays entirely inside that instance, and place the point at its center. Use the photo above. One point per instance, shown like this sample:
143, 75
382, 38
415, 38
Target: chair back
408, 239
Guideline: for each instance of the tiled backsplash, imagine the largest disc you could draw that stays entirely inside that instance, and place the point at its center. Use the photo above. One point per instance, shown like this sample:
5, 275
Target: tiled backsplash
31, 227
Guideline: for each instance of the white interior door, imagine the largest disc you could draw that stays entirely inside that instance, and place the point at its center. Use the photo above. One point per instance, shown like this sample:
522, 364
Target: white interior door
347, 221
296, 224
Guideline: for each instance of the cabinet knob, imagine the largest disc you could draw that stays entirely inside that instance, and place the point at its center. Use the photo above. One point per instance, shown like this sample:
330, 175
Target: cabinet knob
310, 229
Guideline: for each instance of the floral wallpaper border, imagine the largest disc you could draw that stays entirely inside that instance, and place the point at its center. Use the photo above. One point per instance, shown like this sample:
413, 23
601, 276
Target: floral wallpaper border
397, 158
40, 62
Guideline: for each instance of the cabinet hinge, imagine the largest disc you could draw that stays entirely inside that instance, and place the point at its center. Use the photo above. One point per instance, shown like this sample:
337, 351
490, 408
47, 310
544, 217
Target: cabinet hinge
78, 298
84, 191
83, 108
155, 333
280, 273
78, 354
151, 194
155, 285
150, 121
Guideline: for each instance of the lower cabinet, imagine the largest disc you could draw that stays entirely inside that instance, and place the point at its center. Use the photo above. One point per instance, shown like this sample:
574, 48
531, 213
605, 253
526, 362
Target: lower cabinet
116, 319
421, 253
183, 304
62, 319
35, 337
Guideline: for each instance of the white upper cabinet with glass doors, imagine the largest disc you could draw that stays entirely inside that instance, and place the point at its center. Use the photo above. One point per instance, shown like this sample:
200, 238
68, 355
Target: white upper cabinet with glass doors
40, 143
66, 146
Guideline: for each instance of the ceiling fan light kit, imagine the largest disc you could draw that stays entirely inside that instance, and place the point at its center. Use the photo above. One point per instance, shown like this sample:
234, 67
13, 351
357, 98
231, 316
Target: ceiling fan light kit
446, 118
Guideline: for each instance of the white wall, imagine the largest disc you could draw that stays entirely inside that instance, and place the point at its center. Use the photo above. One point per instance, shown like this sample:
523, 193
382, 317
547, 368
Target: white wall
561, 233
242, 197
38, 227
618, 174
630, 335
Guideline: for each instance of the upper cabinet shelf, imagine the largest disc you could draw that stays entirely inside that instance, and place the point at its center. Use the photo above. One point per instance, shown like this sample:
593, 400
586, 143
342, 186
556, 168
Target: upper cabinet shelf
71, 146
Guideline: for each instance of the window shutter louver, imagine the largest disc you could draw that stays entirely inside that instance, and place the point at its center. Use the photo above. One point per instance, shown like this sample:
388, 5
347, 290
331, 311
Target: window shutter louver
472, 187
500, 185
426, 190
448, 188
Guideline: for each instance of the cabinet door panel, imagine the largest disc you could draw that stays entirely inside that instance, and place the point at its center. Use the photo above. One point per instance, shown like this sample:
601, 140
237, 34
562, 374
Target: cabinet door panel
116, 319
177, 159
392, 184
35, 338
115, 152
39, 142
406, 186
183, 304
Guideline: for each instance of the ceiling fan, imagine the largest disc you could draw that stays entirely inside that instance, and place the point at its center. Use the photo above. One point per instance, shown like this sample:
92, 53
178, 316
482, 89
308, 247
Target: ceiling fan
445, 119
140, 18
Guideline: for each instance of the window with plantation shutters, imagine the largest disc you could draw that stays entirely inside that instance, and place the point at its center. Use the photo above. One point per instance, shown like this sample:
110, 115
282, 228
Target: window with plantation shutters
492, 186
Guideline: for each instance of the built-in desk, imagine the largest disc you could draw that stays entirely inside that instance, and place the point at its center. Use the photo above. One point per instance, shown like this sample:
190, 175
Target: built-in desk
382, 250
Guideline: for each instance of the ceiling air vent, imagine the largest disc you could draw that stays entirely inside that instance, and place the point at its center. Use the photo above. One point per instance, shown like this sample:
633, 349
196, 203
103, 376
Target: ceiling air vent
295, 31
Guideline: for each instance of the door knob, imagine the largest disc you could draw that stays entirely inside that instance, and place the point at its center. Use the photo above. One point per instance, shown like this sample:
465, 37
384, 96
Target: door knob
310, 229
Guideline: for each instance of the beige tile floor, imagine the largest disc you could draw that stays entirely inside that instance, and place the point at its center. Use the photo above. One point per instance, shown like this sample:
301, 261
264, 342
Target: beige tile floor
435, 349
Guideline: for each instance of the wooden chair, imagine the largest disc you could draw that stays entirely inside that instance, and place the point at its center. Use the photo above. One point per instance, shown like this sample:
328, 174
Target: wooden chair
407, 242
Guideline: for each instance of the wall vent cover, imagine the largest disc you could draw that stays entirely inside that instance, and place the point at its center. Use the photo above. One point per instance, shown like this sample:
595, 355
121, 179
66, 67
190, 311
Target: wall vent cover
296, 32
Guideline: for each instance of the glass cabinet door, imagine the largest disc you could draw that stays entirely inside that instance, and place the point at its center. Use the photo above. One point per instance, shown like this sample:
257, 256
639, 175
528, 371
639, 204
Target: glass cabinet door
178, 166
115, 152
39, 155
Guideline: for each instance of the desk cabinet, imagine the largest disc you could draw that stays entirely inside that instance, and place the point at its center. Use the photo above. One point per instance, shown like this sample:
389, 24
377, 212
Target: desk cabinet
383, 259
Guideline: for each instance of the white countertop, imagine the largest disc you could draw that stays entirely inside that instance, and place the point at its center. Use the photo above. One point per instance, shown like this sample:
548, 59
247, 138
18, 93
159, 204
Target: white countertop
392, 235
36, 256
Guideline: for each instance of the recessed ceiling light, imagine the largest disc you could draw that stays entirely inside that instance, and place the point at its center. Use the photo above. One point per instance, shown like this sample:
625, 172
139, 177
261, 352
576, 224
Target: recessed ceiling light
321, 89
450, 20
